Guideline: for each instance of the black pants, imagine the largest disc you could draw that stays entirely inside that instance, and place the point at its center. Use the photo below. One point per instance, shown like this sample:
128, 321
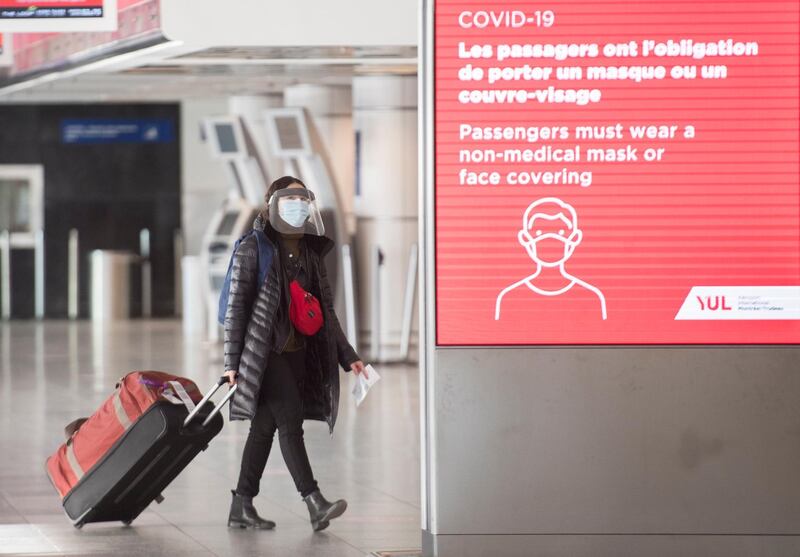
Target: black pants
280, 408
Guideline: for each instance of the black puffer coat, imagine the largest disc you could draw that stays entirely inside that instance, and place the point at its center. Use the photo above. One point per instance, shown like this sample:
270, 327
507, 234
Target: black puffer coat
250, 318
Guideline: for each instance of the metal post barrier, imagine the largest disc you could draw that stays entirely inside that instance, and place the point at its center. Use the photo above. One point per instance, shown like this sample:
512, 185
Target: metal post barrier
408, 302
73, 276
177, 244
147, 273
5, 274
38, 255
349, 296
375, 313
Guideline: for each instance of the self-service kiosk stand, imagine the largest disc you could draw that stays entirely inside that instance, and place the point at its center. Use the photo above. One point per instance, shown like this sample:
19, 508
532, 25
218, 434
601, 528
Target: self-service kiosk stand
227, 139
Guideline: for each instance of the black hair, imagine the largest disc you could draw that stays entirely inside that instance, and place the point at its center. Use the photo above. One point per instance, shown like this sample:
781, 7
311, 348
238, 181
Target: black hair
282, 183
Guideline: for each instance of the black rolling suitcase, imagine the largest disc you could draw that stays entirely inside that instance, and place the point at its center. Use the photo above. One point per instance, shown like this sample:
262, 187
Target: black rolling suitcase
139, 465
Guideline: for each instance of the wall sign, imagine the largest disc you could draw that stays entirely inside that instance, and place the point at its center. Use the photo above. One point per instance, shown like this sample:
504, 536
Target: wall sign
117, 130
58, 15
617, 174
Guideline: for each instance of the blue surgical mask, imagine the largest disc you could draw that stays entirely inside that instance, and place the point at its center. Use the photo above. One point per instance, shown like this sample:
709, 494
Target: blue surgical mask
293, 211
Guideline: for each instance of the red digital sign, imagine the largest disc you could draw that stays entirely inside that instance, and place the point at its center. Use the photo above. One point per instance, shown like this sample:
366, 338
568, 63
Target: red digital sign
617, 173
58, 15
54, 8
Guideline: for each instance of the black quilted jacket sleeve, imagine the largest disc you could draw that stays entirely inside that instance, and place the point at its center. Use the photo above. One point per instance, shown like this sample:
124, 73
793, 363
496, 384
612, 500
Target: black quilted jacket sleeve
344, 352
243, 289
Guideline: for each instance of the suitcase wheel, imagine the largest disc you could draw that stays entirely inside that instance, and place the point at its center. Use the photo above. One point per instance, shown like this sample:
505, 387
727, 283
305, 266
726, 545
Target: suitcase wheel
127, 522
83, 519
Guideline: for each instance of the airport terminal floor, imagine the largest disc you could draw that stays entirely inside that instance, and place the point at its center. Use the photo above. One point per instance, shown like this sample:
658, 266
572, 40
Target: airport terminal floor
56, 371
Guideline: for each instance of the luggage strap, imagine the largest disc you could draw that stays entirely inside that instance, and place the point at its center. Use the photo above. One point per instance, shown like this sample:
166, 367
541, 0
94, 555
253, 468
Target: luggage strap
120, 412
182, 398
72, 460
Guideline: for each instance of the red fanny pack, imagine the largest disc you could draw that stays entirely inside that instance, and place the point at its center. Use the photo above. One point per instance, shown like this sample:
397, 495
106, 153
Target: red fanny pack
304, 310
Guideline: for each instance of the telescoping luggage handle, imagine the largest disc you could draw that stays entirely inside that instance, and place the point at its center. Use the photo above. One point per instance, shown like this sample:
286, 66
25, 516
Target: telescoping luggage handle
222, 380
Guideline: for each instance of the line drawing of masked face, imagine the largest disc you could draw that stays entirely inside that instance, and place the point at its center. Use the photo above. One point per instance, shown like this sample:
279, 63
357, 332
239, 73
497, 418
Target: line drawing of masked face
550, 249
550, 235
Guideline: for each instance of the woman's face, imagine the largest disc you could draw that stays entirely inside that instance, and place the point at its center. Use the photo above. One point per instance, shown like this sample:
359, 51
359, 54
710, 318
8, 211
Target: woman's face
294, 209
292, 199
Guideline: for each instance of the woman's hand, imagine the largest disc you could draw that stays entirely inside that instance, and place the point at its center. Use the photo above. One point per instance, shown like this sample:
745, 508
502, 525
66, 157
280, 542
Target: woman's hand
359, 367
231, 375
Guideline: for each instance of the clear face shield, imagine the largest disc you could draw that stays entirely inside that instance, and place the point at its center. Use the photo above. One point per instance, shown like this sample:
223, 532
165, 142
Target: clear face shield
295, 211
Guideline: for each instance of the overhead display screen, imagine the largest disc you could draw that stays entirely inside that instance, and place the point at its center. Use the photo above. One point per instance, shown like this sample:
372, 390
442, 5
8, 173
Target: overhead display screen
617, 172
58, 15
226, 138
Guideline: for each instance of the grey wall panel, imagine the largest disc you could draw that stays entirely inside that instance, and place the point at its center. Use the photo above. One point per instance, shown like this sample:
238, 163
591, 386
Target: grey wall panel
612, 546
617, 440
108, 191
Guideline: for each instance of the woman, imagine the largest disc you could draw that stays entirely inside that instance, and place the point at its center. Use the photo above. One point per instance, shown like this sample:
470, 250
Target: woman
284, 376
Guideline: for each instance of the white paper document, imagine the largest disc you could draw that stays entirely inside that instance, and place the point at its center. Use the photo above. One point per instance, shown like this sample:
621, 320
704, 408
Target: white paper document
363, 385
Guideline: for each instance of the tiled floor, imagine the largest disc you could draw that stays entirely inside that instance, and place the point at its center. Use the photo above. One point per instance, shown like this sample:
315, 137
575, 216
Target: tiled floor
53, 372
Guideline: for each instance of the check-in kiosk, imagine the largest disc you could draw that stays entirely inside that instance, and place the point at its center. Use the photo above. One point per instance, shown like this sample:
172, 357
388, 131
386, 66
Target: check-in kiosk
227, 226
229, 144
292, 138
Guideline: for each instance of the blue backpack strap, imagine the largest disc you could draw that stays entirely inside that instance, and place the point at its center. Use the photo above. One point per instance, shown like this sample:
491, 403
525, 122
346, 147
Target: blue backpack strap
265, 253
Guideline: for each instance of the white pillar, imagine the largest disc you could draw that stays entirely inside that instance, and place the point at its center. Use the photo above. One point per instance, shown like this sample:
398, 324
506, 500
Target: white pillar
385, 122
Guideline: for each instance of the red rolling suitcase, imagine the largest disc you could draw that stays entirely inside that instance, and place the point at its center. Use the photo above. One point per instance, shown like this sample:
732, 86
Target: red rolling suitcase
121, 458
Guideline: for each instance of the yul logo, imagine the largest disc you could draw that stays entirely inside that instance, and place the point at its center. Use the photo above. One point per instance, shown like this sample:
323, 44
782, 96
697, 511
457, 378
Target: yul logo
713, 303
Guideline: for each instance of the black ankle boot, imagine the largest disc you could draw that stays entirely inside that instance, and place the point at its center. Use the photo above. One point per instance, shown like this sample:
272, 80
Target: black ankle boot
322, 511
243, 514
